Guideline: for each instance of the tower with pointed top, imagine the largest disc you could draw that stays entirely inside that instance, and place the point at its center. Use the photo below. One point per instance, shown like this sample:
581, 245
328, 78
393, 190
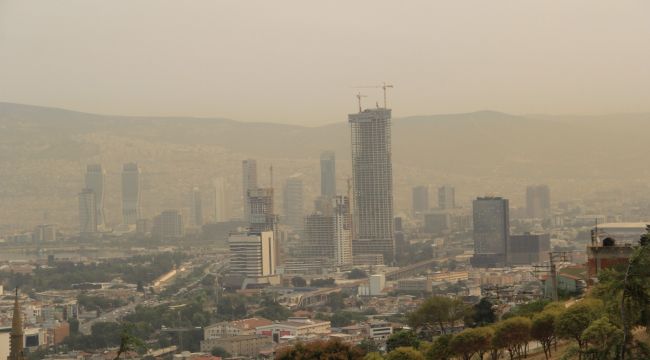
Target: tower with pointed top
17, 347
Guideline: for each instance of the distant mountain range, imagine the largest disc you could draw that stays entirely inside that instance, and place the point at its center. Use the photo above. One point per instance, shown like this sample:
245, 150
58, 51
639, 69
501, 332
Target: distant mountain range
426, 149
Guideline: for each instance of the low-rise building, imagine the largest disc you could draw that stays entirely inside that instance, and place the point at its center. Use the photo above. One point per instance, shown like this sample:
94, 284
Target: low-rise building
234, 328
242, 345
420, 284
295, 327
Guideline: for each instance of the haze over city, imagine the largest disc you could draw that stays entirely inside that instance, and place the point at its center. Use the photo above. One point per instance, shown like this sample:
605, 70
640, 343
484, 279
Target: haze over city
296, 62
291, 180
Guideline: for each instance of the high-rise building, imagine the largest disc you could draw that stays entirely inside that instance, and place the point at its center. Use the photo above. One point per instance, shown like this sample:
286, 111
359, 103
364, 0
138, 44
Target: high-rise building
538, 201
420, 200
342, 231
168, 225
319, 237
294, 202
446, 197
260, 205
328, 174
130, 193
94, 179
491, 231
44, 233
252, 255
249, 182
220, 212
197, 207
87, 212
372, 174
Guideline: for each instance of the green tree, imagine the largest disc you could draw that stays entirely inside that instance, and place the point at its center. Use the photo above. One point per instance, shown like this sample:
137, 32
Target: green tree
513, 335
472, 341
440, 348
368, 346
405, 353
316, 350
571, 323
602, 340
404, 338
482, 314
219, 351
438, 313
128, 342
543, 330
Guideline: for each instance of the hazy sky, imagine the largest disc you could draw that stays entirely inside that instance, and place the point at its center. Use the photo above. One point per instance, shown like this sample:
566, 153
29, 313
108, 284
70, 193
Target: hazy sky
297, 61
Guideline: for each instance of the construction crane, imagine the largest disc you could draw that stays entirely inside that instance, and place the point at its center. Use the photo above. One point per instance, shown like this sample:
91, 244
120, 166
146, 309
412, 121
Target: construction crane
359, 96
383, 86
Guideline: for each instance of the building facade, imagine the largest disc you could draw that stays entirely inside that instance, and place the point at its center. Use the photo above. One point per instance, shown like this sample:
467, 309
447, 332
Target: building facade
372, 176
249, 182
420, 200
446, 197
252, 255
538, 201
328, 174
87, 212
294, 211
168, 225
94, 180
196, 207
130, 193
491, 231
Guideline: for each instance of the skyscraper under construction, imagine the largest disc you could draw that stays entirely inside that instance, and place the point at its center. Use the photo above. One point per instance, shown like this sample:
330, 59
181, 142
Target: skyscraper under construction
372, 175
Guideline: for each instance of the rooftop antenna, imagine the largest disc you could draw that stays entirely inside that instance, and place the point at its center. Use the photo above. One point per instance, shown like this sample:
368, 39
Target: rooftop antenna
359, 96
271, 175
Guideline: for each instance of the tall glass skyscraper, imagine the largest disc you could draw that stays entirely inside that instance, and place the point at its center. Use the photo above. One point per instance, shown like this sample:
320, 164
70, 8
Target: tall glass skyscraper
94, 181
130, 193
372, 175
328, 174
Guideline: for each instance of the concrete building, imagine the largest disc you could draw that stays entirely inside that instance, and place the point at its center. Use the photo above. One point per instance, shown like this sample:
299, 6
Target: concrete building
420, 200
87, 212
196, 207
130, 193
372, 174
168, 225
249, 182
252, 255
377, 284
294, 211
319, 237
446, 197
239, 346
437, 222
260, 204
491, 231
421, 284
328, 174
294, 327
44, 233
538, 201
220, 207
94, 180
528, 249
234, 328
342, 231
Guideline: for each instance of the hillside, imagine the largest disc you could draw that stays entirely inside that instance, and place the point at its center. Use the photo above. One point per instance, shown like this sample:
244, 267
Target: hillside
43, 152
